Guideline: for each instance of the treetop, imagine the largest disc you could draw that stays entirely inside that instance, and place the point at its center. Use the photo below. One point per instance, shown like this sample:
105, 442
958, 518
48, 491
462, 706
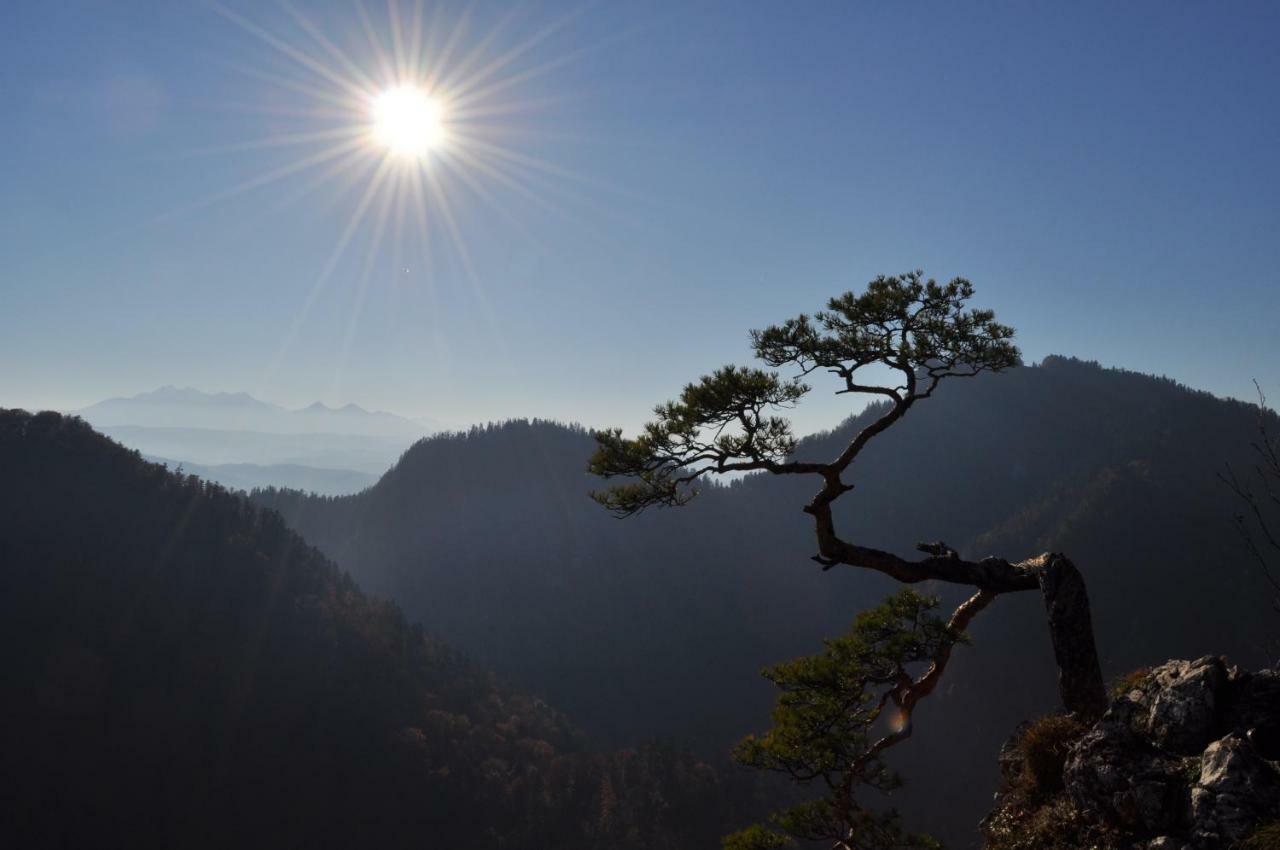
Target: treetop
920, 330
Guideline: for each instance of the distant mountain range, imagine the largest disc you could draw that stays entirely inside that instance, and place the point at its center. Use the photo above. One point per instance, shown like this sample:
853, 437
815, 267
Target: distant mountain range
174, 407
657, 625
243, 442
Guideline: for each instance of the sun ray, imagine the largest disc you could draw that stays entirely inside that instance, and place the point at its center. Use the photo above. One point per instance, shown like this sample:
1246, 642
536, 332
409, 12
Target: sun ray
464, 255
314, 113
441, 198
551, 169
467, 115
362, 288
446, 53
528, 160
509, 181
429, 107
488, 198
549, 187
463, 94
430, 290
468, 96
346, 102
280, 140
414, 59
400, 55
265, 179
450, 80
353, 223
352, 161
422, 215
287, 49
375, 43
397, 221
367, 83
463, 85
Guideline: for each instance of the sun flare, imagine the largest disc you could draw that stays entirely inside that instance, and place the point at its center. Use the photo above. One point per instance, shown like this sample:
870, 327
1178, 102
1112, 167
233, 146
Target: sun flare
416, 129
407, 121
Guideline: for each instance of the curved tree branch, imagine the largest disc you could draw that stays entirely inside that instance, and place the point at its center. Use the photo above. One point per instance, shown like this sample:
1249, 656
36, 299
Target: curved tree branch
923, 333
910, 692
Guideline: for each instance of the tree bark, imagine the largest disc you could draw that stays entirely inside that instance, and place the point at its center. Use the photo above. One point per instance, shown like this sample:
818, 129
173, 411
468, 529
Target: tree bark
1065, 598
1066, 601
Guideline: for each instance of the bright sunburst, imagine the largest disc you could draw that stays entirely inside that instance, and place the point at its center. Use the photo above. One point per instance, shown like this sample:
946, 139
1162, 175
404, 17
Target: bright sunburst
413, 116
401, 110
408, 122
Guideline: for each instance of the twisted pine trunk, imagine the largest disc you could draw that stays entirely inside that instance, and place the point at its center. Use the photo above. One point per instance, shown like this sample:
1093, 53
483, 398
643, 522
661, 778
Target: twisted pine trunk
1066, 602
1066, 599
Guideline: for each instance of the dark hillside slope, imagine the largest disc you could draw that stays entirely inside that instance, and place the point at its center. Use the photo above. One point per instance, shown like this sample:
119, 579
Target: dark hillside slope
490, 536
182, 670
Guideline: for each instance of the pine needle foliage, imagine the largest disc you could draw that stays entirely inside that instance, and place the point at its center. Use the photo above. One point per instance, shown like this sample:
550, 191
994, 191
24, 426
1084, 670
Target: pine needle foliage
834, 717
914, 329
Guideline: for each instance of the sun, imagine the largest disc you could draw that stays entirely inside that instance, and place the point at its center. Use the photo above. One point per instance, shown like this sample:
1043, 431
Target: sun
411, 125
407, 121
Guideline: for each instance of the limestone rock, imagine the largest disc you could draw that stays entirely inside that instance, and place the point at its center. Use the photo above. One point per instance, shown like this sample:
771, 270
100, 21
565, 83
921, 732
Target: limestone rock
1188, 758
1116, 776
1181, 703
1237, 790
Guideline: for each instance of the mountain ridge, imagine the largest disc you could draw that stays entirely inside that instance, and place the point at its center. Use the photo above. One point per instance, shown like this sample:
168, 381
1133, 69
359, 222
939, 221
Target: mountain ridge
491, 533
172, 406
183, 670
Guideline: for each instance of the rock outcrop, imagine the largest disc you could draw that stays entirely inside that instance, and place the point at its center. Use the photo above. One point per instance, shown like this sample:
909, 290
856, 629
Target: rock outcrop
1185, 758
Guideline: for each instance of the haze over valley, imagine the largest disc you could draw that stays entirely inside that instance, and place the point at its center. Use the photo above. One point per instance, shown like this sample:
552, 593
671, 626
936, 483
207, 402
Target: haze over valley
237, 440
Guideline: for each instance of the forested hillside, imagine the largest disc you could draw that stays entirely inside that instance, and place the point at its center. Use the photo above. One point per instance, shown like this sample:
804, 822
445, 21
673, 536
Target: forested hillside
182, 670
657, 625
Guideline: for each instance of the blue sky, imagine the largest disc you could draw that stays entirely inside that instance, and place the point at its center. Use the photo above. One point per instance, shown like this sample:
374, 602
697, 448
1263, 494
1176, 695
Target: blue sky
1107, 175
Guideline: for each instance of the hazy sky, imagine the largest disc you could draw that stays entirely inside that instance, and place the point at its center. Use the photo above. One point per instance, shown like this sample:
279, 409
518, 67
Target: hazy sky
650, 181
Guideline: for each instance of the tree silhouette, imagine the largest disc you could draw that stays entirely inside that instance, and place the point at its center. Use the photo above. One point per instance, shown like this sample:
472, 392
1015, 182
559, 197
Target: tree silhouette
896, 341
